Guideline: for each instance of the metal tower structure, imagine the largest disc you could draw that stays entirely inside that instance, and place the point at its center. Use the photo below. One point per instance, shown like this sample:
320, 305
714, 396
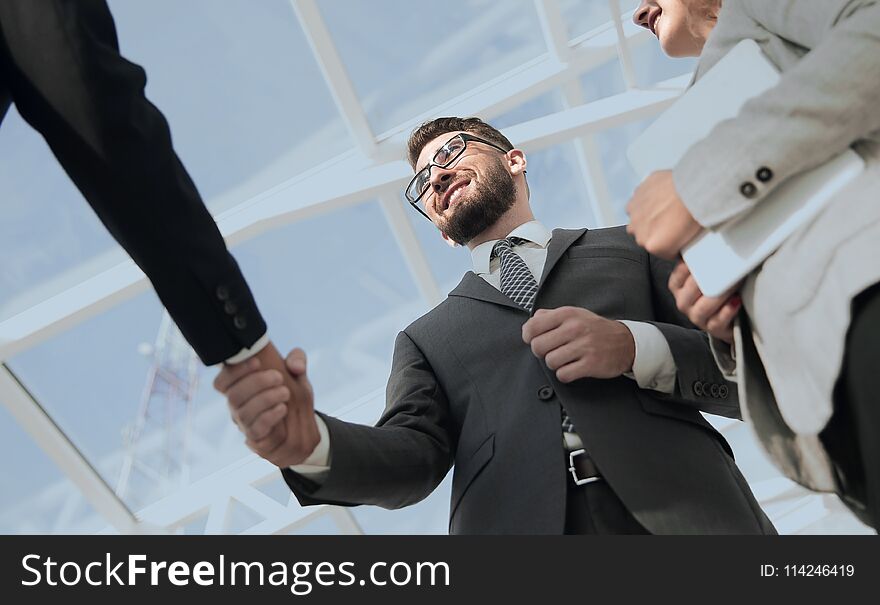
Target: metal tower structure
156, 442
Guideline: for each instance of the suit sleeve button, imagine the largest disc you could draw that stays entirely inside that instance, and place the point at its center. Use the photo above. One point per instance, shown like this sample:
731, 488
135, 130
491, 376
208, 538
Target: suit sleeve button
222, 293
714, 390
545, 393
230, 307
723, 391
748, 190
239, 322
698, 388
764, 174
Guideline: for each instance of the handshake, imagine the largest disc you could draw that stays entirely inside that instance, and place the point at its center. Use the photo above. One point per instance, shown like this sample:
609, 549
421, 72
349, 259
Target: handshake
272, 402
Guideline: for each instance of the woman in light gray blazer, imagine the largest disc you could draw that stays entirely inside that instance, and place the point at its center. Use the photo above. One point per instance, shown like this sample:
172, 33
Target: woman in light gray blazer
807, 348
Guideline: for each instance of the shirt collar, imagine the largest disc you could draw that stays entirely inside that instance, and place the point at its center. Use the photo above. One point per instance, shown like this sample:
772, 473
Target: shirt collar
533, 231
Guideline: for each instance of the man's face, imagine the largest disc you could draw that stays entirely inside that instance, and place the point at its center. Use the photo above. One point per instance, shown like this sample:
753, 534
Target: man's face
471, 194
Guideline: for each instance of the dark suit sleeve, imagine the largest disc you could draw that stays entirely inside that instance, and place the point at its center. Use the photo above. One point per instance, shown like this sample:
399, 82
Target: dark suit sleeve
400, 460
60, 61
699, 382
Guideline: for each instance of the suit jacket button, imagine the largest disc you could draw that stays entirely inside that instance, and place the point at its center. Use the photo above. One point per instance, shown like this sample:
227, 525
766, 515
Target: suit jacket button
698, 388
545, 393
714, 390
222, 293
239, 322
723, 391
764, 174
230, 307
748, 190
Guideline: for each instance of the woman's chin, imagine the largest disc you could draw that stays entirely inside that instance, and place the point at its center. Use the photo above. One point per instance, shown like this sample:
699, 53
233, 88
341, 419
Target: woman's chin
678, 49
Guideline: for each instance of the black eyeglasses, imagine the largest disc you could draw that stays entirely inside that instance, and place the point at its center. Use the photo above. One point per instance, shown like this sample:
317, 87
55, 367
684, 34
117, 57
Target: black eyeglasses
446, 155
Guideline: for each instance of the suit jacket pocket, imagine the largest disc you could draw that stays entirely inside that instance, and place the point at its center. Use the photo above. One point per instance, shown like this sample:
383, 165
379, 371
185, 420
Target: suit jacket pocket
467, 471
681, 412
605, 252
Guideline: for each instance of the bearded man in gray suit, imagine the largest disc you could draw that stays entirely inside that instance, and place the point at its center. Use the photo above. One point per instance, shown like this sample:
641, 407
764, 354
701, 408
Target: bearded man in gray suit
558, 377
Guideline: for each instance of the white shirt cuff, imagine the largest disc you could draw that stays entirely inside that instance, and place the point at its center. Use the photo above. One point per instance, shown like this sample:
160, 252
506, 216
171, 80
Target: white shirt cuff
246, 354
725, 357
653, 366
318, 462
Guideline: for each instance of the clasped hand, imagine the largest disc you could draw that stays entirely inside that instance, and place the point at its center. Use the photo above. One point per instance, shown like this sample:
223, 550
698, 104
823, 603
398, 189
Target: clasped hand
272, 403
577, 343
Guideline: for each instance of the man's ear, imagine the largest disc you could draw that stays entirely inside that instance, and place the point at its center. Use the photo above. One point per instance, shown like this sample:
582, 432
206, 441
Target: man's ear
516, 161
449, 241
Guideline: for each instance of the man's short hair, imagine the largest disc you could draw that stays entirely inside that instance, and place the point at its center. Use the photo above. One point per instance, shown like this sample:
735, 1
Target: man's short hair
429, 131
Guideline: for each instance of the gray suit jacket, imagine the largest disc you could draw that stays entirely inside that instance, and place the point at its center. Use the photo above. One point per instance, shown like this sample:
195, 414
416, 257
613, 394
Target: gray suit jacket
799, 302
466, 390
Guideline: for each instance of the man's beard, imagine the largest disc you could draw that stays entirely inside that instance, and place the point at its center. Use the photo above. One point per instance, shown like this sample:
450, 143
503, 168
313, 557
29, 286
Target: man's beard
482, 208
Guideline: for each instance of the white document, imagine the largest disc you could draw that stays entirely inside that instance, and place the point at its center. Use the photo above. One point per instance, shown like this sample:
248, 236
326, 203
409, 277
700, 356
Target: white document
719, 258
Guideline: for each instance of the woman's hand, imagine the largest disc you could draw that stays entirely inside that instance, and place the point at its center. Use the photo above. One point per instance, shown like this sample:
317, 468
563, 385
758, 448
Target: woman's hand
714, 315
659, 220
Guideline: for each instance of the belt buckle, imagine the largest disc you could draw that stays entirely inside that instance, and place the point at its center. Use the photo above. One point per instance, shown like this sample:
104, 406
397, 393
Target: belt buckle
577, 480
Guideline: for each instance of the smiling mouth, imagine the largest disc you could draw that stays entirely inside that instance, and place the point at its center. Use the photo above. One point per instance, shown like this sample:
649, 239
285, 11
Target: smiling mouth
453, 194
652, 22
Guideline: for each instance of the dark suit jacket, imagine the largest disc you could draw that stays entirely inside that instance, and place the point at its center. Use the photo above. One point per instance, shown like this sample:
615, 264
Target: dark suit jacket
466, 389
60, 65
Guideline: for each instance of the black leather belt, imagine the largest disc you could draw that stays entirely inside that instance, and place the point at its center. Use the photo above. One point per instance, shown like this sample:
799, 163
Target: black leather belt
582, 468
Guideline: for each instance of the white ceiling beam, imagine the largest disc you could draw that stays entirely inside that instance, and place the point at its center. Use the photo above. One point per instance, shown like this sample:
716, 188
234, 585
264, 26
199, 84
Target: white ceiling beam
335, 74
591, 118
623, 52
554, 29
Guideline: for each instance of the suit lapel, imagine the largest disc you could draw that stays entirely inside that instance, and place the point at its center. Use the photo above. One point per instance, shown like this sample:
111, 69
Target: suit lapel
561, 241
474, 286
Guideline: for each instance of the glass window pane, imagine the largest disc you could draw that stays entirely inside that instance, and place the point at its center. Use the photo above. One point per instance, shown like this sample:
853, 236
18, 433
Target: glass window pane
603, 81
652, 66
406, 56
559, 196
583, 16
622, 179
260, 113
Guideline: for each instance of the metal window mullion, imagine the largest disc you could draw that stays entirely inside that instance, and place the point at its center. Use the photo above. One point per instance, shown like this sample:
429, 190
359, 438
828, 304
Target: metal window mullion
623, 51
335, 74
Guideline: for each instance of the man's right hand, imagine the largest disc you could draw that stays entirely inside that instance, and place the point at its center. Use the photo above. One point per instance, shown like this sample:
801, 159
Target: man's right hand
272, 404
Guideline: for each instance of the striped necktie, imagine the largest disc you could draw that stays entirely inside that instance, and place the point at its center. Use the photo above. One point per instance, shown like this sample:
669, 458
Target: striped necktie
518, 284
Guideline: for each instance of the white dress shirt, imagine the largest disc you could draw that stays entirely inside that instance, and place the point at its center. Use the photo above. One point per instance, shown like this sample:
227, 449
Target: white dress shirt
653, 365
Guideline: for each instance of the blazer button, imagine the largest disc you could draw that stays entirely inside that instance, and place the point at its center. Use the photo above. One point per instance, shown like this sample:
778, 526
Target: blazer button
239, 322
222, 293
545, 393
723, 391
748, 190
230, 307
713, 390
698, 388
764, 174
